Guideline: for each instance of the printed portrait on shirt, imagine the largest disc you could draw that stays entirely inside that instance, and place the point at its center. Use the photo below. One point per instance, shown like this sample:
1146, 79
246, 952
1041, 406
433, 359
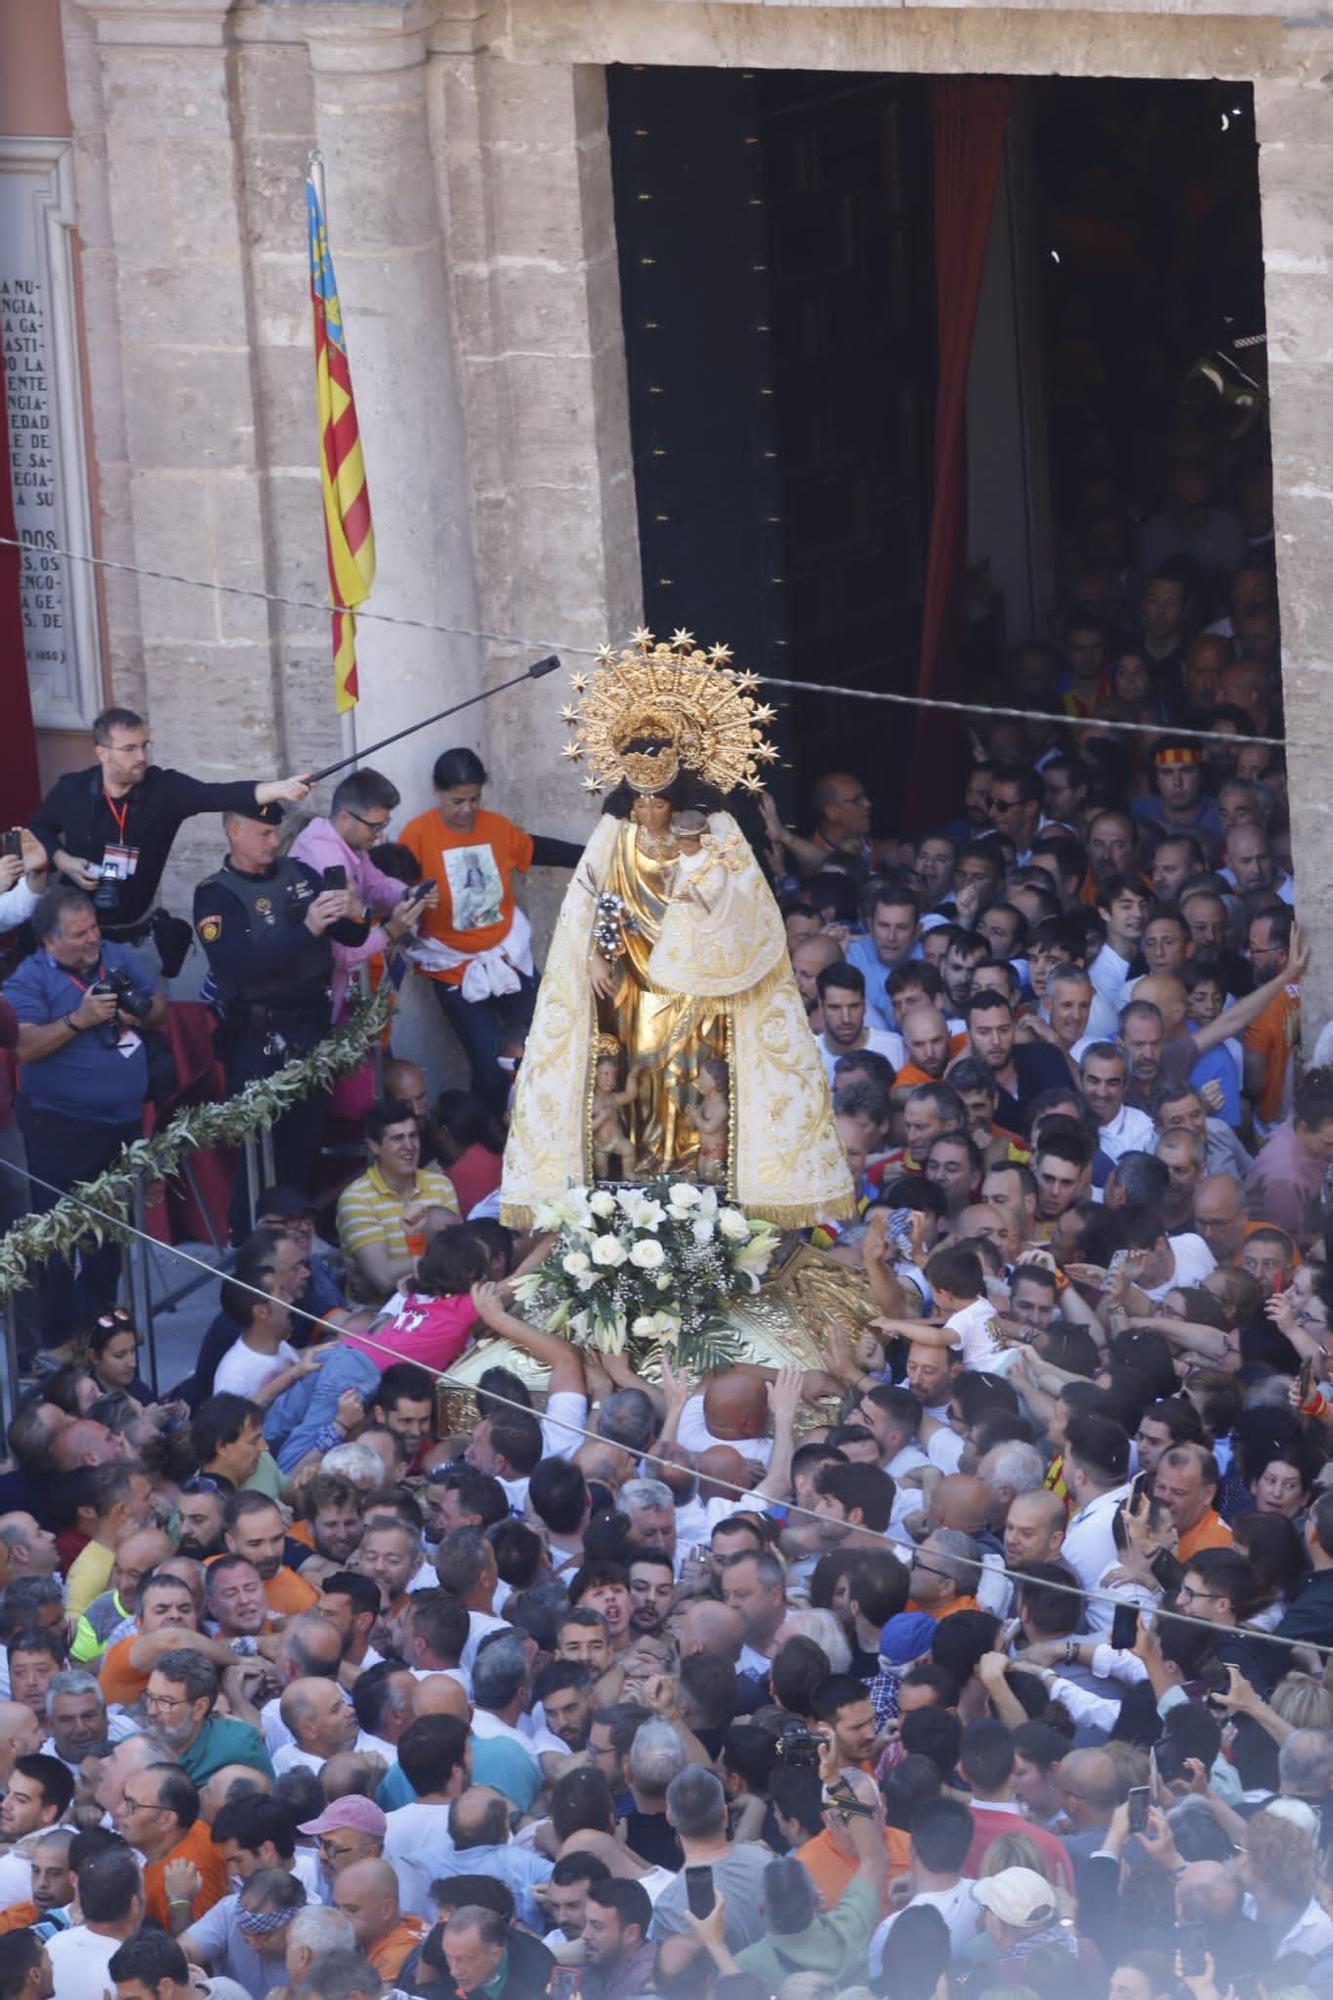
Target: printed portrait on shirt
475, 889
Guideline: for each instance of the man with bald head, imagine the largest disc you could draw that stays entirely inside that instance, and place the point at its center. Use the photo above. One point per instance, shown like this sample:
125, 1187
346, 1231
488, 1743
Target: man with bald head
321, 1722
479, 1828
217, 1791
131, 1754
811, 957
1249, 864
441, 1694
21, 1735
86, 1442
1212, 1893
962, 1501
366, 1893
1034, 1529
704, 1626
732, 1409
1184, 1156
925, 1034
311, 1647
1201, 670
997, 1225
27, 1548
1221, 1215
1088, 1782
1174, 863
1200, 1056
137, 1552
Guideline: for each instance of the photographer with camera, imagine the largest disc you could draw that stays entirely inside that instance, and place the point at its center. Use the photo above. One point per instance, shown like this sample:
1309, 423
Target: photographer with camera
268, 925
82, 1004
109, 829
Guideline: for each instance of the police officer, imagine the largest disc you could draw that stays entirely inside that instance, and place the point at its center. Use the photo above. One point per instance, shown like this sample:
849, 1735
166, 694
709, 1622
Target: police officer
109, 829
267, 926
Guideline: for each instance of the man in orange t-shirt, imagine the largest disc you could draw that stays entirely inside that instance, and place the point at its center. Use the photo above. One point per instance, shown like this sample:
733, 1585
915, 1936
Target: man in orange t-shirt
165, 1620
472, 856
254, 1530
1186, 1482
159, 1814
366, 1893
1270, 1038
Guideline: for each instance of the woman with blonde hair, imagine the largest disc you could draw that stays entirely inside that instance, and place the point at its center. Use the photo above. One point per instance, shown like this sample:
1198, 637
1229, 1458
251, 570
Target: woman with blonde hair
1014, 1850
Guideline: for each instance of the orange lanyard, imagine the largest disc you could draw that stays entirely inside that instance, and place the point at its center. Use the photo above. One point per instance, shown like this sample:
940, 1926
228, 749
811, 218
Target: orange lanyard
118, 813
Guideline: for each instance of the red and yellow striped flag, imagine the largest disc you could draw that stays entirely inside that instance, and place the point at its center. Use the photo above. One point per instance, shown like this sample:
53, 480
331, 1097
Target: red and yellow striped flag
349, 538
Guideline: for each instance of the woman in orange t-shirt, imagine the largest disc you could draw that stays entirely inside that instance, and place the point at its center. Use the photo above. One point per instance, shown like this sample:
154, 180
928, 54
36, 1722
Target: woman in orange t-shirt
477, 948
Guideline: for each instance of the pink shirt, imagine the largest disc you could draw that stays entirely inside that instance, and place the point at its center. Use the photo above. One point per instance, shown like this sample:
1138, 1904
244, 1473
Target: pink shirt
1286, 1186
321, 846
432, 1332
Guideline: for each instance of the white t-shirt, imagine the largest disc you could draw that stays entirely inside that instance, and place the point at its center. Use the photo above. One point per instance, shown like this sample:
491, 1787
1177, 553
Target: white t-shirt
565, 1407
415, 1839
15, 1880
480, 1623
241, 1370
79, 1961
879, 1041
695, 1435
290, 1757
944, 1446
1193, 1261
974, 1328
958, 1907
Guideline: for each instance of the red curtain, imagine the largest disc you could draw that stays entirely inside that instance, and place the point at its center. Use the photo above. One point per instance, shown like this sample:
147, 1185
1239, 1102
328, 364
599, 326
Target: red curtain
19, 787
968, 116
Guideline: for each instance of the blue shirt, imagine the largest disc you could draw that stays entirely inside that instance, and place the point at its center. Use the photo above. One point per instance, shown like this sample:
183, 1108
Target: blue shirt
879, 1008
86, 1078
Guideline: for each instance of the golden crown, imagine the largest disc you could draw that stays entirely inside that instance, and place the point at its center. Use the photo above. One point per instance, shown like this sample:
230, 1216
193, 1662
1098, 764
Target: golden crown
658, 707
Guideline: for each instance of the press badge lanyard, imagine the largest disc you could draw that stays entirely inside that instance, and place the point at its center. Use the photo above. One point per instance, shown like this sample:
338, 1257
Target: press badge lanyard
124, 860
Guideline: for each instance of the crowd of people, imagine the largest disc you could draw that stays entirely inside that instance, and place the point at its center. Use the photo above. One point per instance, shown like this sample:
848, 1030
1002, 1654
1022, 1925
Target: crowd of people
991, 1654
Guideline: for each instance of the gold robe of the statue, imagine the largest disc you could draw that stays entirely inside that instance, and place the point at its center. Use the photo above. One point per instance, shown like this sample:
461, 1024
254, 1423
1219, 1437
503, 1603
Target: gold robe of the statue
705, 973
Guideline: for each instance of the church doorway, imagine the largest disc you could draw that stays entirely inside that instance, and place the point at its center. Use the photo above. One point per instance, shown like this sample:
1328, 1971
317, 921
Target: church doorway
779, 297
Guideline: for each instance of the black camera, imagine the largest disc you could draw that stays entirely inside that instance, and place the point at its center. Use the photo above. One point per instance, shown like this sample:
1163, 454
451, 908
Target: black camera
798, 1749
106, 896
128, 1001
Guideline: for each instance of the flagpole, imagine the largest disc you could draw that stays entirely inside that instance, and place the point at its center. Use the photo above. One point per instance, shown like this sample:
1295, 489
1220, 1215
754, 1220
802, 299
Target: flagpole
347, 720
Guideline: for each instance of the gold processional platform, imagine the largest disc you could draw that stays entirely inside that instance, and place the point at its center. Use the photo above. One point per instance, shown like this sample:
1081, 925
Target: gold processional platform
788, 1319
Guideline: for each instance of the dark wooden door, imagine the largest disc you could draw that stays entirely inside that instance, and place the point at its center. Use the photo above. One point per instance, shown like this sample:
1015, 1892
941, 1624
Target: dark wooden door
774, 251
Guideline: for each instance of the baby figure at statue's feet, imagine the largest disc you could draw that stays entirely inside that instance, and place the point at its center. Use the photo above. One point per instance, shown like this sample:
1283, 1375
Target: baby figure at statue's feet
611, 1143
712, 1118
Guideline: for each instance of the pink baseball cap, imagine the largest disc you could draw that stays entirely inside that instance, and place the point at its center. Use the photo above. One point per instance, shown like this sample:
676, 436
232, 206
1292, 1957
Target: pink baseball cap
352, 1811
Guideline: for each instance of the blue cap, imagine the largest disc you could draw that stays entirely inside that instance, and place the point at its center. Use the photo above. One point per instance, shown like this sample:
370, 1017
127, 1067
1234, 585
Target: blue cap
906, 1637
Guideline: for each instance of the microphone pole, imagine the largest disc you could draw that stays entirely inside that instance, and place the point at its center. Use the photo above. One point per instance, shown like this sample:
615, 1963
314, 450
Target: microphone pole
535, 672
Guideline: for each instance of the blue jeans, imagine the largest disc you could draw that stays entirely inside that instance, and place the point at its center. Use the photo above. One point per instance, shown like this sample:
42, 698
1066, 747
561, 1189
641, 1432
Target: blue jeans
479, 1025
296, 1417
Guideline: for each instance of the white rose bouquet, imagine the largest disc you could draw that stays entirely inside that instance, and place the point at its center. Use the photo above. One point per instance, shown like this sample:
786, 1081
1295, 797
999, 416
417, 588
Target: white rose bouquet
638, 1267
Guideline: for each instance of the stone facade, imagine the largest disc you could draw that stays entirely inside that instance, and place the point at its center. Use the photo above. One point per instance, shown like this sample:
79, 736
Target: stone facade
471, 223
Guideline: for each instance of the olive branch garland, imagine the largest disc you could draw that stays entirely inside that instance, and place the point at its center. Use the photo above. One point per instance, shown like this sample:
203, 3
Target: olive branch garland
59, 1231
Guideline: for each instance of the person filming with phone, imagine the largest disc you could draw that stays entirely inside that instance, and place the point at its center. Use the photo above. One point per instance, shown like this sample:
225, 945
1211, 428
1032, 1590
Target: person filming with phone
359, 816
82, 1005
268, 924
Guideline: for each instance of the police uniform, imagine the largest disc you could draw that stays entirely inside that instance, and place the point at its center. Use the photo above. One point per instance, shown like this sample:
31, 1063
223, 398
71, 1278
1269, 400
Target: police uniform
270, 979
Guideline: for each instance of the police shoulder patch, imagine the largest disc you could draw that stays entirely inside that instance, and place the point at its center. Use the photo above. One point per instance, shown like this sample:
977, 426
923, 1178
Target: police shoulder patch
210, 929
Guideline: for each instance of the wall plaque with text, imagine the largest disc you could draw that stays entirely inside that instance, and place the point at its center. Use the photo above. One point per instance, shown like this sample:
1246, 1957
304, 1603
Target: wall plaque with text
47, 468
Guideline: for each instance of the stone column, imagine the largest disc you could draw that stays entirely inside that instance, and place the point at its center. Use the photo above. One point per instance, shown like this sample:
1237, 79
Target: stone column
168, 339
525, 162
369, 76
1294, 118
